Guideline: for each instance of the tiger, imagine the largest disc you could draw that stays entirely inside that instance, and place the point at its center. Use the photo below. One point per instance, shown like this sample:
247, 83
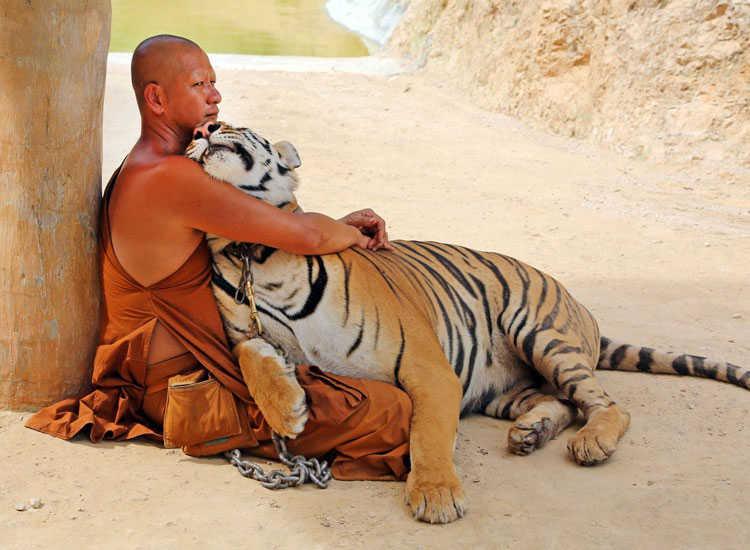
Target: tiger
461, 331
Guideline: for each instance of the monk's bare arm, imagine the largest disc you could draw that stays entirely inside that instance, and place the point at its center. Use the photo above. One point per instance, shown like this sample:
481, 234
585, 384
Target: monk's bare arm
196, 200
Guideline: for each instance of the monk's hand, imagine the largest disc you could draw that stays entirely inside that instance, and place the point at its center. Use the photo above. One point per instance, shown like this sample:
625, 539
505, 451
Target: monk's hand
370, 225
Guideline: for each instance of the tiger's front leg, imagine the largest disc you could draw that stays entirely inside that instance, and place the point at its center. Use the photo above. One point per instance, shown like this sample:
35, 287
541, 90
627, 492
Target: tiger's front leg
273, 385
433, 490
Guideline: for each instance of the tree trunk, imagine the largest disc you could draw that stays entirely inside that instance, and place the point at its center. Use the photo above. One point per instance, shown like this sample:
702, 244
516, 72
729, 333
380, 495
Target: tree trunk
53, 56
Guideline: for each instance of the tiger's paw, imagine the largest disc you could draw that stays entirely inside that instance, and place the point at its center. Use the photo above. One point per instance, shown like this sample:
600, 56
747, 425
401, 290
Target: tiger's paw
274, 387
524, 438
287, 412
435, 500
597, 440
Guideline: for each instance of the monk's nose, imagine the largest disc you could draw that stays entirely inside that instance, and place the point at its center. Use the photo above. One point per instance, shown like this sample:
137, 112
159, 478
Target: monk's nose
206, 130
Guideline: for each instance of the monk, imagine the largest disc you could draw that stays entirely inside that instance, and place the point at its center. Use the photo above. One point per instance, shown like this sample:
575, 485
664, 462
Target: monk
160, 324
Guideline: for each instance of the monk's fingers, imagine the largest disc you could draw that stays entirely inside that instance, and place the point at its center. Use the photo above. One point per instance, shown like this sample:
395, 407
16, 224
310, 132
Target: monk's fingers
364, 242
381, 242
377, 228
386, 244
371, 225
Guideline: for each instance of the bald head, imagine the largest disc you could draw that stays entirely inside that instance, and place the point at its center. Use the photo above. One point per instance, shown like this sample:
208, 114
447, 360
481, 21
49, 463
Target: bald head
174, 85
158, 60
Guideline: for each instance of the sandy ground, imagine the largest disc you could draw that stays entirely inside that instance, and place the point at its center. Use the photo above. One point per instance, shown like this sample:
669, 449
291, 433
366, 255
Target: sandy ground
660, 254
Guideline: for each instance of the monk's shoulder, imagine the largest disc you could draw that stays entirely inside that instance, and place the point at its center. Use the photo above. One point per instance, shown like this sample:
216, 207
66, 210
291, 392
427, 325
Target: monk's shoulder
170, 169
180, 172
162, 177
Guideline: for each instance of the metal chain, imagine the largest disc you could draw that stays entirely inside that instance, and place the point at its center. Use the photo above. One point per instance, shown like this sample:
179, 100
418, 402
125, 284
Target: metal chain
240, 293
244, 292
301, 470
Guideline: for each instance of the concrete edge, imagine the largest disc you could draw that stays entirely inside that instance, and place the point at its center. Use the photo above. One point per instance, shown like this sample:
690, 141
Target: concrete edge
370, 65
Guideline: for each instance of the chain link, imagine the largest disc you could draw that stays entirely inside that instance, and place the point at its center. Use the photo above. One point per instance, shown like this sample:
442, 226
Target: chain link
240, 293
244, 292
301, 470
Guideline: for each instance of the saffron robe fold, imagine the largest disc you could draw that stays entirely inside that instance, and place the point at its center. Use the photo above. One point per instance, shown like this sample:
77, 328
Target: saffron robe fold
363, 424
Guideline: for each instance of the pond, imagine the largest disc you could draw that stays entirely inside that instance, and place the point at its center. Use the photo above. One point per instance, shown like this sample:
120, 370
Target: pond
255, 27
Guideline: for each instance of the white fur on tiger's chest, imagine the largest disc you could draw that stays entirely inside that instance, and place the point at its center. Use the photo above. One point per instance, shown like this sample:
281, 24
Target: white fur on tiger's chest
330, 354
310, 339
312, 343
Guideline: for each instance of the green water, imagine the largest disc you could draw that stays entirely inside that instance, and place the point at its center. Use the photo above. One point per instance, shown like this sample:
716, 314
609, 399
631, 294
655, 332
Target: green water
257, 27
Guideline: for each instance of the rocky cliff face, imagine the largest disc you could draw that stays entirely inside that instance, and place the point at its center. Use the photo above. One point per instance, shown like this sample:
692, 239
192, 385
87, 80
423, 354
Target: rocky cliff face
657, 79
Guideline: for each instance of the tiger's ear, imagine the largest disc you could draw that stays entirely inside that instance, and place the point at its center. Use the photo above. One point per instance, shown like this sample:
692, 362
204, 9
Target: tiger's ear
288, 154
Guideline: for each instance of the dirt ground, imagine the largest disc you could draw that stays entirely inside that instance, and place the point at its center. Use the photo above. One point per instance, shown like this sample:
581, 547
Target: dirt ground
660, 254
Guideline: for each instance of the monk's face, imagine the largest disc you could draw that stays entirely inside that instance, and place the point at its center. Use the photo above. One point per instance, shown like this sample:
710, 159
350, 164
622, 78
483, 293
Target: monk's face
191, 95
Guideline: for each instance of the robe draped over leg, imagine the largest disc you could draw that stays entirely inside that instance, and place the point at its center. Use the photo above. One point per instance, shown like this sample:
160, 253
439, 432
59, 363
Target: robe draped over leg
363, 425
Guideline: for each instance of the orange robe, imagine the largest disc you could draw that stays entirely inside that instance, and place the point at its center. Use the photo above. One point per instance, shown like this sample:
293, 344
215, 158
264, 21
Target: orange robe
362, 424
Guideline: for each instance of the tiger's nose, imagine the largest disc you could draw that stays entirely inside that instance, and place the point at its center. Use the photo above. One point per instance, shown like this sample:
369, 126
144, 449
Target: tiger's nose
206, 130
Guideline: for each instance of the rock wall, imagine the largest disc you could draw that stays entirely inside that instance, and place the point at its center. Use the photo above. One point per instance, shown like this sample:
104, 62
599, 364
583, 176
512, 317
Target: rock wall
657, 79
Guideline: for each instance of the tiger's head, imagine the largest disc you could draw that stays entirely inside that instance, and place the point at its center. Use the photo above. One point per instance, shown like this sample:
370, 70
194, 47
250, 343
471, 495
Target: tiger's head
248, 161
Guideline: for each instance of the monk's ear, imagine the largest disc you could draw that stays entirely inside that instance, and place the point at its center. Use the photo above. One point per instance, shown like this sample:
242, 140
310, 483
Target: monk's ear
154, 98
288, 154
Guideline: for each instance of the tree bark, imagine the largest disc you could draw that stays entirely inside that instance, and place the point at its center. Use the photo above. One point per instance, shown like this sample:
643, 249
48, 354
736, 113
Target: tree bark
53, 57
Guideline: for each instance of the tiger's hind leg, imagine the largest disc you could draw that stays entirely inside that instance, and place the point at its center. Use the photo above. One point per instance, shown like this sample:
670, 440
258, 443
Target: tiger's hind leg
569, 372
539, 417
549, 330
544, 421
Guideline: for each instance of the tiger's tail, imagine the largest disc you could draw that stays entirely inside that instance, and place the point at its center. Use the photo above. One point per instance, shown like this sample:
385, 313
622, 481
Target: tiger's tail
626, 357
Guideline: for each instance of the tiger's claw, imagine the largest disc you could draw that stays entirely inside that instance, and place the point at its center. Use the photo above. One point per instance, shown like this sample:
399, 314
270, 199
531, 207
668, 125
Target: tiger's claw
435, 501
